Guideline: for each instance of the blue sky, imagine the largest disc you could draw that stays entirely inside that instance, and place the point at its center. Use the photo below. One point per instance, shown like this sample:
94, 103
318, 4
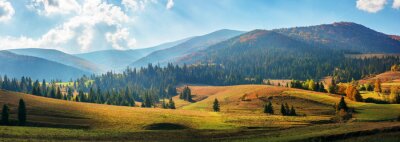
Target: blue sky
77, 26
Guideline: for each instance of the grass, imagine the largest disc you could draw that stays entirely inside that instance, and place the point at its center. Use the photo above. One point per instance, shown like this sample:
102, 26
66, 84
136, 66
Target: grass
241, 117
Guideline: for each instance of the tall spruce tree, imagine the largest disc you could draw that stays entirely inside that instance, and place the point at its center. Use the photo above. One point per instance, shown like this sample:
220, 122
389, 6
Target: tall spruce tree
21, 113
171, 104
5, 113
342, 105
216, 106
283, 110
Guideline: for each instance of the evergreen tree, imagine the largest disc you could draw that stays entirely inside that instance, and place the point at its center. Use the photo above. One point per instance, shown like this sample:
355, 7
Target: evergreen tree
59, 95
21, 113
5, 115
342, 105
293, 112
171, 104
216, 106
283, 110
268, 108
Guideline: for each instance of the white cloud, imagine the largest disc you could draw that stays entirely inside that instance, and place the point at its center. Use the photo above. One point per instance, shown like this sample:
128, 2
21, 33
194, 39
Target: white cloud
120, 38
170, 4
396, 4
6, 11
53, 7
371, 6
79, 30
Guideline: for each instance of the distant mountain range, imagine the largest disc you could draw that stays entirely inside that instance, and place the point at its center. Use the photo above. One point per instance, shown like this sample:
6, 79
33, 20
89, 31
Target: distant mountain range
59, 57
117, 60
195, 44
222, 47
14, 65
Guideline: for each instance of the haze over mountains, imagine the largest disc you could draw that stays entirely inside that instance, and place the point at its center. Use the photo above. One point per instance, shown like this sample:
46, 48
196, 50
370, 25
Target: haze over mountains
271, 48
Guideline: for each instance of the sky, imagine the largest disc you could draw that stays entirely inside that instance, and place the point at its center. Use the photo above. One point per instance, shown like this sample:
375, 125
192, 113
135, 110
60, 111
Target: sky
79, 26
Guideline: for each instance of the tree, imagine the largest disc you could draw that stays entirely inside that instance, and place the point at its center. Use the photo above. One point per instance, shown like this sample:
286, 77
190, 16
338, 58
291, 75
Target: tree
283, 110
378, 87
5, 114
394, 96
171, 104
59, 95
292, 112
21, 112
186, 94
268, 108
353, 94
342, 105
311, 85
216, 105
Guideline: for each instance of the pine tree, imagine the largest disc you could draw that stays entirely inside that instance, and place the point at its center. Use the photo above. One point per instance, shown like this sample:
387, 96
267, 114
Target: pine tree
342, 105
5, 115
283, 110
59, 95
268, 108
293, 112
21, 112
171, 104
287, 109
216, 105
164, 105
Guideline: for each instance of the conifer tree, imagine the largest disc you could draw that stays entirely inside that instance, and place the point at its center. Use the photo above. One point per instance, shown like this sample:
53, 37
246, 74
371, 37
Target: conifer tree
59, 95
342, 105
21, 113
293, 112
216, 106
283, 110
5, 115
171, 104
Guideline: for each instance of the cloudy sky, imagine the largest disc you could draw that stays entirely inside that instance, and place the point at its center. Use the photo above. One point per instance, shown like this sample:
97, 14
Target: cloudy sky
77, 26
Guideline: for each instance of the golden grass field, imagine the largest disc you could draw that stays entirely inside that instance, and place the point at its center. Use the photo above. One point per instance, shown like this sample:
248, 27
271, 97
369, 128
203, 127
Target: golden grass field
241, 117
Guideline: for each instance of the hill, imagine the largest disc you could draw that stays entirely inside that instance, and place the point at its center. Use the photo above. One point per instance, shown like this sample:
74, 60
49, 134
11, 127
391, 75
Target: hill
59, 57
198, 43
241, 116
345, 36
120, 59
14, 65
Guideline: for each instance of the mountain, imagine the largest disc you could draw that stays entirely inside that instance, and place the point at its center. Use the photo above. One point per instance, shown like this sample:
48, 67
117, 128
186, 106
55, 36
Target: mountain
59, 57
344, 35
262, 54
14, 65
198, 43
120, 59
395, 37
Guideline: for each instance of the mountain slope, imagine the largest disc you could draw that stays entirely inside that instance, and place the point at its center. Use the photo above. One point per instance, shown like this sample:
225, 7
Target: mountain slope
195, 44
14, 65
119, 59
344, 35
59, 57
261, 54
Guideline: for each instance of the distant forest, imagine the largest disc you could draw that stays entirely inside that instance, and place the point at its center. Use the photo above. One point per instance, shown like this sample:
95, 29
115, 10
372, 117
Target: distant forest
154, 83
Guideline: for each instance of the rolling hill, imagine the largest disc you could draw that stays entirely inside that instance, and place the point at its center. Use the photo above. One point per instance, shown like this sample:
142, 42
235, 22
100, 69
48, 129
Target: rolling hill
120, 59
241, 116
59, 57
345, 36
14, 65
198, 43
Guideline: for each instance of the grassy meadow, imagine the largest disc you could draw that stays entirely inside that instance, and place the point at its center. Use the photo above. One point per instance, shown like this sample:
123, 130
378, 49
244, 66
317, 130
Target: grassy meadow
241, 117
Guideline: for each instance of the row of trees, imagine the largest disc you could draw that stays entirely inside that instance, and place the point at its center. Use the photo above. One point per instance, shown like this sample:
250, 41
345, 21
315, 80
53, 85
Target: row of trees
308, 85
5, 114
285, 110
